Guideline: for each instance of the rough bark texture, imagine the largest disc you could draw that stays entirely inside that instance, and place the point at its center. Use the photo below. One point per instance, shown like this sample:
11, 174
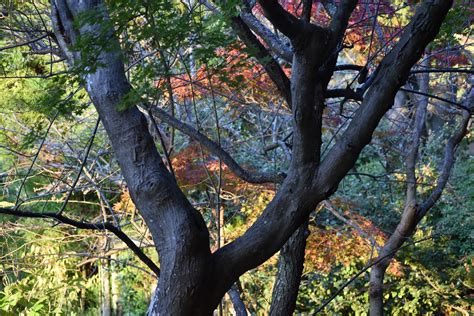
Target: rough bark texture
305, 186
290, 267
178, 230
192, 280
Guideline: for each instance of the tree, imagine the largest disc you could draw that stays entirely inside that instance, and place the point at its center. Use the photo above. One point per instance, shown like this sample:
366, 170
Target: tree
414, 211
193, 279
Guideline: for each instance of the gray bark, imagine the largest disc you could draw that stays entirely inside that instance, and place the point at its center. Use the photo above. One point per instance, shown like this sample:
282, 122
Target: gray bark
290, 267
305, 185
407, 224
178, 230
106, 309
192, 280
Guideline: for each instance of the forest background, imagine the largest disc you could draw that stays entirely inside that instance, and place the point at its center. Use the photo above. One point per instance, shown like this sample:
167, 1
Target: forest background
214, 104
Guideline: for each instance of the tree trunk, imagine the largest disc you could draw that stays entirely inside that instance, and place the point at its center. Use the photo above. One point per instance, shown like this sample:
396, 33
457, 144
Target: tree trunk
237, 302
403, 231
179, 232
377, 274
116, 288
407, 224
192, 280
290, 267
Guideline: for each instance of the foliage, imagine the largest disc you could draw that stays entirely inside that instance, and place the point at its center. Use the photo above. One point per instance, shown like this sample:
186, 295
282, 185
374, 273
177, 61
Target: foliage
186, 60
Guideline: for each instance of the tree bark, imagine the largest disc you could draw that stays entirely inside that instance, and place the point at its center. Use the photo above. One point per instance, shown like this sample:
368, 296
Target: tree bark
290, 267
193, 280
306, 185
106, 309
179, 232
404, 230
237, 302
377, 274
408, 221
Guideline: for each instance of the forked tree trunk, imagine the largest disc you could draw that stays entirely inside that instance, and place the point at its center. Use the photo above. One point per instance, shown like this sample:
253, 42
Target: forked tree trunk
192, 280
408, 222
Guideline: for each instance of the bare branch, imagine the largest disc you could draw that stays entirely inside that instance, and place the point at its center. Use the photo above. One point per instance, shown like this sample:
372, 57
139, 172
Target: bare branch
443, 70
24, 43
263, 56
330, 7
367, 267
343, 93
281, 19
354, 225
448, 160
390, 76
438, 98
275, 43
85, 225
84, 161
17, 200
214, 148
343, 67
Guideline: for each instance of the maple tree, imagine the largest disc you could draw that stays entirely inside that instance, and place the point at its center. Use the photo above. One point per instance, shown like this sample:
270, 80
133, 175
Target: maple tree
296, 47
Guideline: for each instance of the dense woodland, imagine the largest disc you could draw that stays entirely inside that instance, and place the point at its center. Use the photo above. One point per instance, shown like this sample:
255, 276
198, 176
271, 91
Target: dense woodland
191, 157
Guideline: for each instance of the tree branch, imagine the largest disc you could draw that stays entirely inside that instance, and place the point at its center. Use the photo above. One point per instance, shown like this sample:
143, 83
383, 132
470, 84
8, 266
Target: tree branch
448, 160
306, 13
272, 68
274, 43
367, 267
302, 190
348, 67
340, 19
391, 75
25, 43
215, 149
83, 164
330, 7
443, 70
281, 19
330, 208
437, 98
85, 225
343, 93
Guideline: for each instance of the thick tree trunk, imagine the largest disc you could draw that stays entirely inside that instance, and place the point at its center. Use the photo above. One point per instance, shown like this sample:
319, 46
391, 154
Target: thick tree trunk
178, 230
290, 267
193, 281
